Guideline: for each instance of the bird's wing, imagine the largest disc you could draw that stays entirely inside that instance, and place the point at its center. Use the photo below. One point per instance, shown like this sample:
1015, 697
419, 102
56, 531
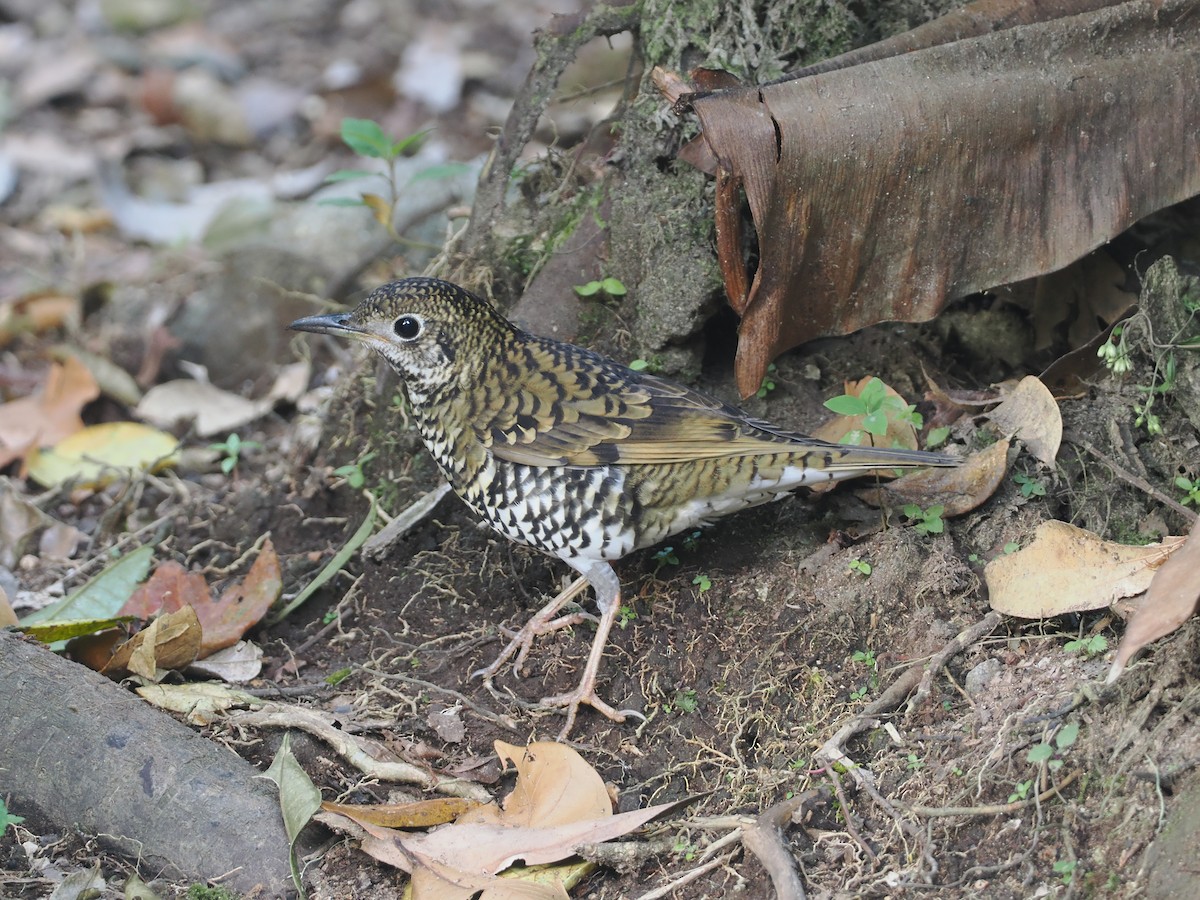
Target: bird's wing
575, 408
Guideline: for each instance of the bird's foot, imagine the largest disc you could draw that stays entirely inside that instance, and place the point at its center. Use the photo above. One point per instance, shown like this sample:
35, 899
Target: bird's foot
585, 694
543, 622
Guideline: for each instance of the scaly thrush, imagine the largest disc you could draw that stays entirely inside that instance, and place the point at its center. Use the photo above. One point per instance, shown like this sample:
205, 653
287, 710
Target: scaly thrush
561, 449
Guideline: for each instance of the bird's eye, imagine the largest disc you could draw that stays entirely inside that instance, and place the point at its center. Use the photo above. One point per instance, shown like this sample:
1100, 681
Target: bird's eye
407, 327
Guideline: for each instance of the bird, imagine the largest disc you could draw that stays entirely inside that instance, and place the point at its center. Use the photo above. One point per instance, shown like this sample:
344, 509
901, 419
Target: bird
562, 449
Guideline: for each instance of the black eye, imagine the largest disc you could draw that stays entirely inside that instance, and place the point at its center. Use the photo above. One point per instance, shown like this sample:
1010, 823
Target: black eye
407, 327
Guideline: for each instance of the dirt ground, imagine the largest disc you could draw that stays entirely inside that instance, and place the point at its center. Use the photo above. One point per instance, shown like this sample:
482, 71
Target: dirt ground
747, 646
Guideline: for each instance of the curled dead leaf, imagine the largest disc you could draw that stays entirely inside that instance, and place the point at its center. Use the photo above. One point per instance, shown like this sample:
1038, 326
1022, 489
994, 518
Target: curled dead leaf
169, 642
959, 490
1172, 599
1031, 413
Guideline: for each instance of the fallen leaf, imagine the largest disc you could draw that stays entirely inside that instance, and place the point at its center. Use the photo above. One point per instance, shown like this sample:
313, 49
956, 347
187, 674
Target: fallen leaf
100, 454
237, 664
1067, 569
213, 410
36, 313
1031, 413
959, 490
1172, 599
555, 785
417, 814
21, 523
8, 618
103, 595
200, 703
49, 415
169, 642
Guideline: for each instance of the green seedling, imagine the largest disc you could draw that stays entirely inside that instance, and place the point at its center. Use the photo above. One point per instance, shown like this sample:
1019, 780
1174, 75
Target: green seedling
610, 286
768, 383
1190, 488
625, 615
1089, 647
232, 448
353, 472
926, 521
1030, 487
703, 582
860, 566
877, 407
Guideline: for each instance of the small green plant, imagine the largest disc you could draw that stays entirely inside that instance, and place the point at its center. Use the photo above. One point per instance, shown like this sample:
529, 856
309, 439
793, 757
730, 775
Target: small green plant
878, 409
625, 615
1030, 487
353, 472
366, 138
1020, 791
610, 286
1190, 488
653, 365
768, 383
7, 818
866, 658
915, 763
664, 557
339, 676
1012, 547
861, 566
1114, 352
1051, 754
703, 582
1065, 869
685, 701
202, 892
937, 437
1089, 647
926, 521
692, 541
685, 848
232, 448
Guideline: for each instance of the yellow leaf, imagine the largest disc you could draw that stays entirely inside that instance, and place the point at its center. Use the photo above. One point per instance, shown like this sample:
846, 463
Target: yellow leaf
100, 454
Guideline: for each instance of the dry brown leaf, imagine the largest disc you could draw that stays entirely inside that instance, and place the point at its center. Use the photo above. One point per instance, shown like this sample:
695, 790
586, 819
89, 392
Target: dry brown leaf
1067, 569
959, 490
1031, 413
47, 416
36, 313
224, 621
862, 213
555, 785
8, 618
1172, 599
169, 642
418, 814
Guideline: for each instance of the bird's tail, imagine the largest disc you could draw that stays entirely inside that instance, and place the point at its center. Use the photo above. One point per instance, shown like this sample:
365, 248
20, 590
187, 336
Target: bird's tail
855, 458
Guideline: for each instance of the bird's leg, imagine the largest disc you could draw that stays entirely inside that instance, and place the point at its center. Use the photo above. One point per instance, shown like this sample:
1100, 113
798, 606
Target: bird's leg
608, 598
543, 622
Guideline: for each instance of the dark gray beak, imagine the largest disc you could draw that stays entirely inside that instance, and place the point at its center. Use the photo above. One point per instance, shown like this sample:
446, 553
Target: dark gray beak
335, 323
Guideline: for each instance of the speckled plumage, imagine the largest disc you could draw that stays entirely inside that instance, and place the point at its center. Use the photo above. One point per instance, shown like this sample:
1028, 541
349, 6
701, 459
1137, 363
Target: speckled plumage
562, 449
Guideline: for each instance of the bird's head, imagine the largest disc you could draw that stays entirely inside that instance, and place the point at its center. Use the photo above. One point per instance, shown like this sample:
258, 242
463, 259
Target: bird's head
430, 331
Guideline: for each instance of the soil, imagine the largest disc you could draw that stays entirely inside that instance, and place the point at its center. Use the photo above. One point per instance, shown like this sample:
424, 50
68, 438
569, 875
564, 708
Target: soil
746, 646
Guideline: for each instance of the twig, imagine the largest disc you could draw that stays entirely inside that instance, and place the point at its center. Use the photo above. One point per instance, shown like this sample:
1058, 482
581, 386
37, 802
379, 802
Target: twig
482, 711
961, 641
764, 838
279, 715
378, 545
997, 809
1136, 480
687, 878
847, 816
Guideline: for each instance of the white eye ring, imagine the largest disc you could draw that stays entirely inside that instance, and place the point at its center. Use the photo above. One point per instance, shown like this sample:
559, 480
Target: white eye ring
408, 327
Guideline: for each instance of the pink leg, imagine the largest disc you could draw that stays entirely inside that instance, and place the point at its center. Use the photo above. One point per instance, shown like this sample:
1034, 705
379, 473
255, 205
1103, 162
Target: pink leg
543, 622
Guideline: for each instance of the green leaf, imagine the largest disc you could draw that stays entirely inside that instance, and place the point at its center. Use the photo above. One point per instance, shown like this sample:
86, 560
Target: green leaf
639, 365
937, 436
845, 405
410, 143
1039, 754
1067, 735
334, 565
873, 394
876, 422
347, 175
103, 595
587, 290
366, 138
49, 632
299, 799
613, 286
440, 171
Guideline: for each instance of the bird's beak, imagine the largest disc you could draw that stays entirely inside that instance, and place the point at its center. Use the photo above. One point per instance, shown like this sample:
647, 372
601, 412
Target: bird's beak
335, 323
